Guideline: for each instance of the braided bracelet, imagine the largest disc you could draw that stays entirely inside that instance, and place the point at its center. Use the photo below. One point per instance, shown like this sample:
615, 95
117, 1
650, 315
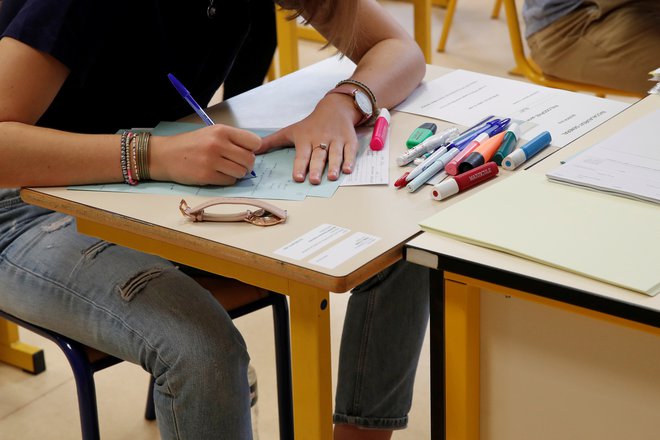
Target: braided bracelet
369, 93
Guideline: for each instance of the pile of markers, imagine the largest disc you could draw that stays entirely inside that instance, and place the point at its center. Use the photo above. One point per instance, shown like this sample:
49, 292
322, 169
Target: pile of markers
470, 157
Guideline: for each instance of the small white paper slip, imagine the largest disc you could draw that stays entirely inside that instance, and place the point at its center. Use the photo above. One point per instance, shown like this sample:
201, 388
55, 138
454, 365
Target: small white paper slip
344, 250
312, 241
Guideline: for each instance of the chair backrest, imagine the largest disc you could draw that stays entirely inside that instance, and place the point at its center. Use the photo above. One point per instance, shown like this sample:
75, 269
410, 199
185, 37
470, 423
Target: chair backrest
526, 67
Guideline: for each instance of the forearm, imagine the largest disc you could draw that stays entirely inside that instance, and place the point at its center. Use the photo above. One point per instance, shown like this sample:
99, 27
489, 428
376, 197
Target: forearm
36, 156
392, 69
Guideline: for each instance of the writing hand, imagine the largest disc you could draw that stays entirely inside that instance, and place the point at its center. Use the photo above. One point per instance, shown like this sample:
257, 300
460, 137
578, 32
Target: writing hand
213, 155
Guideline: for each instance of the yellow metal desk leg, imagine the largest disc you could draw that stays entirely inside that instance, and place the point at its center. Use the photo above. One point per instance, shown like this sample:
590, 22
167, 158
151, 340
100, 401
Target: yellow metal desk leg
446, 25
287, 42
310, 353
422, 25
16, 353
461, 361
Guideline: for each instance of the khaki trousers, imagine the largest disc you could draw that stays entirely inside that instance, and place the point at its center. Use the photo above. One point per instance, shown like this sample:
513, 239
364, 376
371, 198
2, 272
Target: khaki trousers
610, 43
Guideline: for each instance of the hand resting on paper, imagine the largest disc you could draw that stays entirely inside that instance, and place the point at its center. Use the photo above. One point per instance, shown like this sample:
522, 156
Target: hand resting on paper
332, 124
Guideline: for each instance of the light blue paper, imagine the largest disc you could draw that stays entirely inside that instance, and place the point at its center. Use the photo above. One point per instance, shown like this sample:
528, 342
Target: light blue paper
273, 181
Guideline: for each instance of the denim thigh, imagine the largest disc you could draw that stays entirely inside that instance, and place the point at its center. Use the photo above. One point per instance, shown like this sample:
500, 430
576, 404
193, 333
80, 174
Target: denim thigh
137, 307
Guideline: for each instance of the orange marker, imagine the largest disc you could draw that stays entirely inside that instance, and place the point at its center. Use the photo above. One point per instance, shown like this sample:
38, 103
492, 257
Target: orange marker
482, 153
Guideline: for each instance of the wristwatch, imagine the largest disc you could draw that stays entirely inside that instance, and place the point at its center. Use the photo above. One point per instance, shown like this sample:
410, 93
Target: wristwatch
362, 101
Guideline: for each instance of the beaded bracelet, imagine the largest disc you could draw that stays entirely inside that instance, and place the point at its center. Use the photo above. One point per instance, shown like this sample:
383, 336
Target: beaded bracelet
127, 168
124, 147
134, 156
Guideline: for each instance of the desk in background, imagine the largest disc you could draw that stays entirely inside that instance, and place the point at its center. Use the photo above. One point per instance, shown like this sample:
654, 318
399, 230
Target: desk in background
466, 277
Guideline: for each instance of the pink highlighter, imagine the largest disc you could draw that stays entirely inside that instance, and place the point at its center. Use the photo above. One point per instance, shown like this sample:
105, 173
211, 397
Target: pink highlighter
381, 128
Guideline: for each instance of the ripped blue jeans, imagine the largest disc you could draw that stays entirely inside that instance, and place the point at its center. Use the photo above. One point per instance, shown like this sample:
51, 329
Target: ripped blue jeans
142, 309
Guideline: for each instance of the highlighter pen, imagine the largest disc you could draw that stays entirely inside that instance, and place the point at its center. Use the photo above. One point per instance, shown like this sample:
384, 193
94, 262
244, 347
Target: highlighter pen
431, 171
521, 155
508, 143
452, 166
185, 94
481, 154
449, 187
427, 145
381, 127
421, 133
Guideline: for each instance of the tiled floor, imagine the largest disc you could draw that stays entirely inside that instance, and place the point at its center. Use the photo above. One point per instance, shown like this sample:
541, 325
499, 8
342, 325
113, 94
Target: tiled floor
45, 406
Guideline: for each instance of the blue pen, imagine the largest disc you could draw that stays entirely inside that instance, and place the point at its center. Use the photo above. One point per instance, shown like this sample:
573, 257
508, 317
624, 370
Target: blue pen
432, 170
478, 124
521, 155
491, 128
427, 163
190, 100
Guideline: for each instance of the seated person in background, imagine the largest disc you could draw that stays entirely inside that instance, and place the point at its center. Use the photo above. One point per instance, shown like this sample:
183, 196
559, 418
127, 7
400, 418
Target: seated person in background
609, 43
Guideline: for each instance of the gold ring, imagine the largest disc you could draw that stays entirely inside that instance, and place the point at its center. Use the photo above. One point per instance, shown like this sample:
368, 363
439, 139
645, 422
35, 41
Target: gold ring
322, 146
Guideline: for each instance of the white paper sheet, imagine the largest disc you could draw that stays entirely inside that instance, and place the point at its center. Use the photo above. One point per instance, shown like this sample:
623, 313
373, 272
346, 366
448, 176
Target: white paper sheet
371, 167
464, 97
627, 163
344, 250
312, 241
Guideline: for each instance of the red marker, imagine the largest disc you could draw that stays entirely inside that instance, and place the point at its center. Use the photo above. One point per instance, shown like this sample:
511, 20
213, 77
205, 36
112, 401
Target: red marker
401, 181
468, 179
381, 127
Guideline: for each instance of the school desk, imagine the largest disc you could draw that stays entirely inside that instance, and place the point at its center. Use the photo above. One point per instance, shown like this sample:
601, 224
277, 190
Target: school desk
467, 276
153, 224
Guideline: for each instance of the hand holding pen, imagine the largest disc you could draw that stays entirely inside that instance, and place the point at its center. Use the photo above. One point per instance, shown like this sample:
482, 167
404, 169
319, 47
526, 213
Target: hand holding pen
185, 94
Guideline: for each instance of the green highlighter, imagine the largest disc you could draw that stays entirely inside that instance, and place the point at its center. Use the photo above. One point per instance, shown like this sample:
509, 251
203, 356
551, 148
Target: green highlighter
422, 132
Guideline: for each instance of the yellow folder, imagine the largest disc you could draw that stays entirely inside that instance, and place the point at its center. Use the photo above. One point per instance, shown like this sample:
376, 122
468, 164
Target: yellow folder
598, 235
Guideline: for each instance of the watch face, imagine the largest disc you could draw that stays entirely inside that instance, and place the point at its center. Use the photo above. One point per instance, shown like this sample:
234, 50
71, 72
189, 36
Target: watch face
363, 102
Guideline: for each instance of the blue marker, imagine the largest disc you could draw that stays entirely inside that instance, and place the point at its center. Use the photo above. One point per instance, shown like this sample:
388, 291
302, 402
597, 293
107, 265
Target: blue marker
190, 100
521, 155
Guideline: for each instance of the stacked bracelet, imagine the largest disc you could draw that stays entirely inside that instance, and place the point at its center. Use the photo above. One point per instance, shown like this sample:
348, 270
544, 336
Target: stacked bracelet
134, 156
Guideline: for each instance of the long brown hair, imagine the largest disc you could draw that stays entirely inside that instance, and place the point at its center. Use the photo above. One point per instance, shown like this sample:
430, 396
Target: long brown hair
343, 13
